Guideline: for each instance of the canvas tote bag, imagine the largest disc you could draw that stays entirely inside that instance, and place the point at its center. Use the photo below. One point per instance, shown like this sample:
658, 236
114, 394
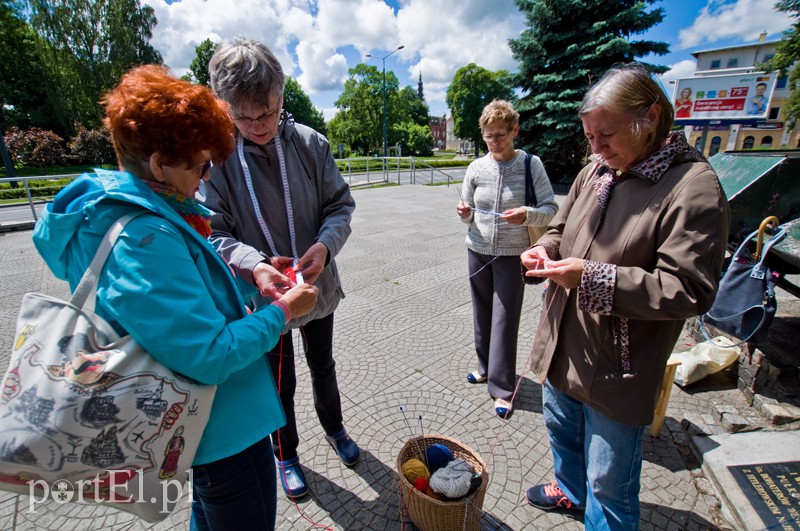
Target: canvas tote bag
88, 416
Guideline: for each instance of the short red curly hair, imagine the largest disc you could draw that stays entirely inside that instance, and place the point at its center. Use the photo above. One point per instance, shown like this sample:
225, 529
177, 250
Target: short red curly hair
151, 110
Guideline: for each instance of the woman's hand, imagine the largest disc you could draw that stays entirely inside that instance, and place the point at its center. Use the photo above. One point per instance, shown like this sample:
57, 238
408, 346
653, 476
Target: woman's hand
515, 216
301, 299
463, 209
269, 280
312, 263
566, 273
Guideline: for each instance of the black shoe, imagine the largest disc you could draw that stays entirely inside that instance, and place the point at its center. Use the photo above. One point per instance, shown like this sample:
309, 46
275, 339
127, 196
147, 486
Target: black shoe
549, 496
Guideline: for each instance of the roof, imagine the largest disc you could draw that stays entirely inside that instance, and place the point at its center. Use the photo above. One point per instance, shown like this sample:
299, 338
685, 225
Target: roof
737, 47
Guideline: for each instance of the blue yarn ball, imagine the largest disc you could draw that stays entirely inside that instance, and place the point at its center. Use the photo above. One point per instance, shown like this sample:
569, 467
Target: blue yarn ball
437, 456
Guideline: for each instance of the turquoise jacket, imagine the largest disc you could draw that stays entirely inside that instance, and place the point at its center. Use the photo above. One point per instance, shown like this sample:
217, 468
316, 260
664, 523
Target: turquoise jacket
167, 287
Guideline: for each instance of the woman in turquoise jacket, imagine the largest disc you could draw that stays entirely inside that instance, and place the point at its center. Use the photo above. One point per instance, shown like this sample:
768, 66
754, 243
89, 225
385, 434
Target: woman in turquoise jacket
167, 287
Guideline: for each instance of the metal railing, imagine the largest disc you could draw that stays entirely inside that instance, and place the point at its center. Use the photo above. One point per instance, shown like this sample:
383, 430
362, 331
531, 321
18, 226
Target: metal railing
376, 170
31, 191
364, 171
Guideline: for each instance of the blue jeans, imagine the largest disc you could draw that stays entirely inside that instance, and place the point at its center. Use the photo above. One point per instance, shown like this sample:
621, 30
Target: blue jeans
597, 461
236, 491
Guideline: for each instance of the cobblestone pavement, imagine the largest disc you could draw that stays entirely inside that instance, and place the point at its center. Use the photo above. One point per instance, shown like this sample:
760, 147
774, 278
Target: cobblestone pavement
403, 337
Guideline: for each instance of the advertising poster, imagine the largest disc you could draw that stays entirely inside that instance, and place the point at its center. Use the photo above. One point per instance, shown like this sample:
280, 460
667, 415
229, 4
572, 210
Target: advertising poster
736, 98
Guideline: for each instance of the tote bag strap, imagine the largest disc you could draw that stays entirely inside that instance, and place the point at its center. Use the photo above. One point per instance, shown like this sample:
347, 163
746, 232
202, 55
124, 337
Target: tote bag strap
530, 190
88, 283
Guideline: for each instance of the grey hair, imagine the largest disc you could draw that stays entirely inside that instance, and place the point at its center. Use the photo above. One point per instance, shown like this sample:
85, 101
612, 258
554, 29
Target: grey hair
631, 90
499, 111
245, 73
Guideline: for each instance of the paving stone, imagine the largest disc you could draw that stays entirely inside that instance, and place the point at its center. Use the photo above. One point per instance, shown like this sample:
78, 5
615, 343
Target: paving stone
404, 337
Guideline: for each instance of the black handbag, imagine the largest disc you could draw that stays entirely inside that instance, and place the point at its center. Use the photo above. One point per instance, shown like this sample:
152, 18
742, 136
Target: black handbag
745, 305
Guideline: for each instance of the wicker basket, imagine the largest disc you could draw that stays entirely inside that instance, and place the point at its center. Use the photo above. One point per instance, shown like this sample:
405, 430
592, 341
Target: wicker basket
430, 514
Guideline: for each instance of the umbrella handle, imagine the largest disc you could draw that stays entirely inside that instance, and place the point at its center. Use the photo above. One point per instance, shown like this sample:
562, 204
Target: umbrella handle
771, 220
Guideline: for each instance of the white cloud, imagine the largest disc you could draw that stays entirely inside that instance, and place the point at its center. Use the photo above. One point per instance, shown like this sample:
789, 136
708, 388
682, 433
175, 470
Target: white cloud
679, 70
743, 20
317, 42
676, 71
320, 68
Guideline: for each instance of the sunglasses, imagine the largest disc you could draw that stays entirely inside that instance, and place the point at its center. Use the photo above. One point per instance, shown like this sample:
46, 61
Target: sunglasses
207, 166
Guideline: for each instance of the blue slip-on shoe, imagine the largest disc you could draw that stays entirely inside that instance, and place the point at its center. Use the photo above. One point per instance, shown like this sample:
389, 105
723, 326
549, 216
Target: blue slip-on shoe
345, 447
475, 377
293, 480
502, 407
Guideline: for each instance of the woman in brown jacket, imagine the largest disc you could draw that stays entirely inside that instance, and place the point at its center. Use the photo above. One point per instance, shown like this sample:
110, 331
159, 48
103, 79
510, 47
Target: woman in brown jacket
635, 249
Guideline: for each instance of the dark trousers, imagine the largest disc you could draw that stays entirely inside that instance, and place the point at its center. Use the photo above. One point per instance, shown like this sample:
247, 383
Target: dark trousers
497, 293
318, 344
236, 491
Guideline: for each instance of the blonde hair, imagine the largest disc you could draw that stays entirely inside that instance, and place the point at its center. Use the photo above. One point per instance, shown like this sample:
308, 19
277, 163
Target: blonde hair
631, 90
499, 111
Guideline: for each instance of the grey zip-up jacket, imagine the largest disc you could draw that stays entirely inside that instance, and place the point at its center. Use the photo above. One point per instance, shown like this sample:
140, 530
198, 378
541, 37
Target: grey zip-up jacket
490, 186
321, 202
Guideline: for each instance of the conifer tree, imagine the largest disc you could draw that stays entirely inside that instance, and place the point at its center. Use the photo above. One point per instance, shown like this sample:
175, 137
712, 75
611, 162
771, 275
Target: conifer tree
567, 46
787, 55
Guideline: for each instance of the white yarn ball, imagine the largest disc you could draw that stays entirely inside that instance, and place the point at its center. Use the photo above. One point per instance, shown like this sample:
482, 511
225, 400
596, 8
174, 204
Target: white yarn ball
452, 480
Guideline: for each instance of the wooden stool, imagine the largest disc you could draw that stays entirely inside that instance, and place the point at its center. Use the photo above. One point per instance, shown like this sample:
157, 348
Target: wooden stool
663, 396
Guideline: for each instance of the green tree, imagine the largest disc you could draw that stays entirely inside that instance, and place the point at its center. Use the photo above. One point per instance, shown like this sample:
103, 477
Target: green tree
415, 139
566, 47
23, 102
297, 102
199, 65
359, 120
472, 88
85, 46
785, 60
408, 106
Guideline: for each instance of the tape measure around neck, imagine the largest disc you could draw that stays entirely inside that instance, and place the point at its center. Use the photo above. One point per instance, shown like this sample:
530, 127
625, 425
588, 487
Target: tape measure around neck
286, 196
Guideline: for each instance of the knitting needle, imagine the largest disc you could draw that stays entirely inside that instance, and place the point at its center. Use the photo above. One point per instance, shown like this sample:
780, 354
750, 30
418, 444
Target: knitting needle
421, 429
413, 435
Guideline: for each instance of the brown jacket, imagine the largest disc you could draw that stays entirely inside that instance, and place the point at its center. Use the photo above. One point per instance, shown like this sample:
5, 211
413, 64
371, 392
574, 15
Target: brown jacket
666, 240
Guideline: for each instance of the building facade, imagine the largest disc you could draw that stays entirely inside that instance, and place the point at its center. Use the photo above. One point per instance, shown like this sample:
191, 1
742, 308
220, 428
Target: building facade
456, 144
438, 126
772, 133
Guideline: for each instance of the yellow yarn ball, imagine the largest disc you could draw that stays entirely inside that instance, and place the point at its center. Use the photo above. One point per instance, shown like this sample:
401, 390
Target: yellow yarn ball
413, 469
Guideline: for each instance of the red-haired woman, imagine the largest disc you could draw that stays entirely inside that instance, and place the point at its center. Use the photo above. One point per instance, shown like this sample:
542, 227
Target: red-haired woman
166, 286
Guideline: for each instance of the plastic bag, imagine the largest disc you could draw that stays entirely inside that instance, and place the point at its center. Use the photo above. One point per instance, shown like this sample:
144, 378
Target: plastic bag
704, 359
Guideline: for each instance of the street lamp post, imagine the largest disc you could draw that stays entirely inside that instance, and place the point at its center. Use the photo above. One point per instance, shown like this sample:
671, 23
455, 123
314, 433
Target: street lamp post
383, 60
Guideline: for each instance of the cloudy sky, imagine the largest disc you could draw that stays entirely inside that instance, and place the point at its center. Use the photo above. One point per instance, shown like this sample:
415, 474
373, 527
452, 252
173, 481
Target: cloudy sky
317, 41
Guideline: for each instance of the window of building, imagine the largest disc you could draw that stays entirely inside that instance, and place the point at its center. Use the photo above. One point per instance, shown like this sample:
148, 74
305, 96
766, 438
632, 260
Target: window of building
766, 142
774, 112
697, 142
733, 62
715, 64
748, 143
781, 82
715, 143
767, 57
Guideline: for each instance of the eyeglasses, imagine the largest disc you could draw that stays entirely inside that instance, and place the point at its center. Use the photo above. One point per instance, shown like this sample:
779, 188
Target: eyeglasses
261, 119
496, 137
207, 166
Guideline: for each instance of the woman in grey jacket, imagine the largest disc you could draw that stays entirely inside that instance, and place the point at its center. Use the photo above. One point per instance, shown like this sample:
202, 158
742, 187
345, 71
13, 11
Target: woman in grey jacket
493, 204
281, 204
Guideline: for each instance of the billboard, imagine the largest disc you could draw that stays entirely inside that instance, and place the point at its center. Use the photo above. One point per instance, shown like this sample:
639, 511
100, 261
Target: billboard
736, 98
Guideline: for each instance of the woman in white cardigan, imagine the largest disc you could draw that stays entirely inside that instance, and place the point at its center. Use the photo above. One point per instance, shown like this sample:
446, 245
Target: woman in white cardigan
493, 204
